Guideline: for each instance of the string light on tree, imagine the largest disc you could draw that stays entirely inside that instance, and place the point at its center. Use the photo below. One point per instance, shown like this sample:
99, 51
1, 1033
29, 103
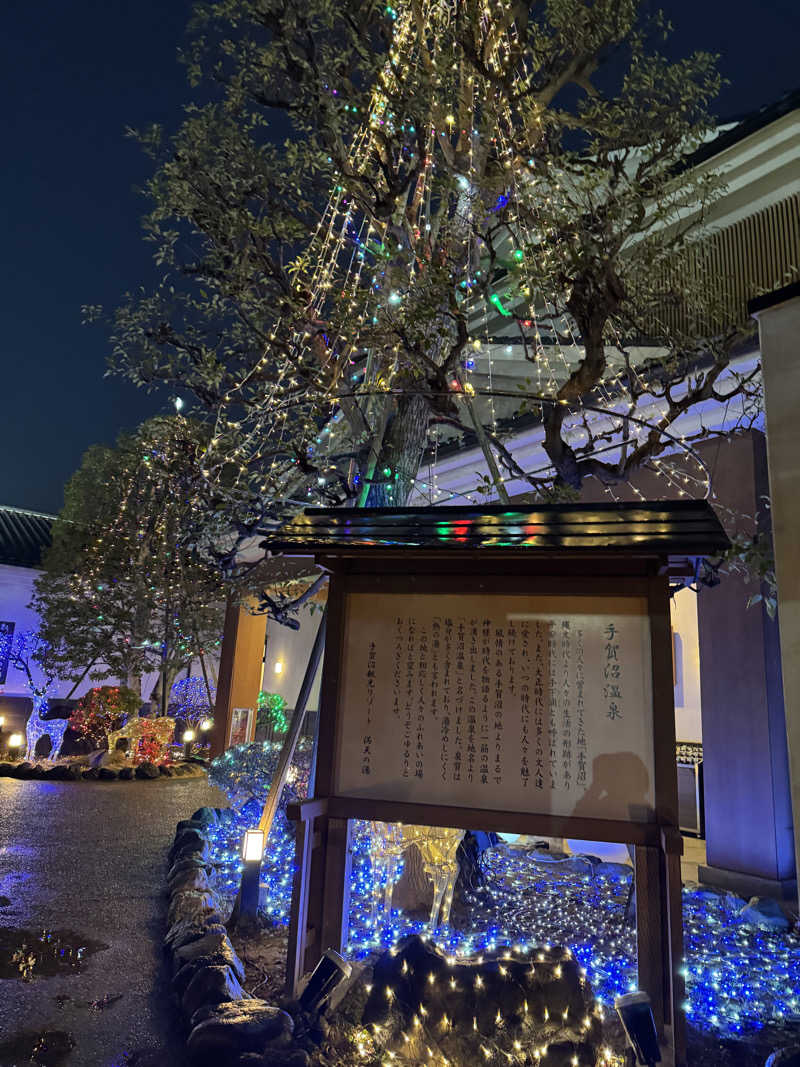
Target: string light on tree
272, 711
455, 210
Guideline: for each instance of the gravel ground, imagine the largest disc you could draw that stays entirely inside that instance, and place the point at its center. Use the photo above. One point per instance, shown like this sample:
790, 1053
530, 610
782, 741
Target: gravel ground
89, 859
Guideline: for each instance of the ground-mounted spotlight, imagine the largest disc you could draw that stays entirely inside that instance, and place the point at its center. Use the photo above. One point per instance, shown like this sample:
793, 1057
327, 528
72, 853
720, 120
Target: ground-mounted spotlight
330, 972
15, 743
636, 1016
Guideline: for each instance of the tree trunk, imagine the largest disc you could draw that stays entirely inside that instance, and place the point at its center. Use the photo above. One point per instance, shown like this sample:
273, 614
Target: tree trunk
207, 685
401, 453
579, 384
83, 675
164, 704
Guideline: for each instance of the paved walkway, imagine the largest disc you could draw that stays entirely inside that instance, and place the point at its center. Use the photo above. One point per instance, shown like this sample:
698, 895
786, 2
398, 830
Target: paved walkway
90, 858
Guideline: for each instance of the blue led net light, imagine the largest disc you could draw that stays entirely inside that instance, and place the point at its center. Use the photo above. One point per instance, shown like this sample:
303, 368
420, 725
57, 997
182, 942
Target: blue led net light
739, 977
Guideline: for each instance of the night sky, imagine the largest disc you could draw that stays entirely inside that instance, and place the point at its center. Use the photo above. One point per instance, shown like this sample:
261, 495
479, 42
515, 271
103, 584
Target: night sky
75, 75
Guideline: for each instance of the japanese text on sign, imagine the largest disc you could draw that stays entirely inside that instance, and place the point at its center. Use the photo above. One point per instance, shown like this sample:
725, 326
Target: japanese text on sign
510, 703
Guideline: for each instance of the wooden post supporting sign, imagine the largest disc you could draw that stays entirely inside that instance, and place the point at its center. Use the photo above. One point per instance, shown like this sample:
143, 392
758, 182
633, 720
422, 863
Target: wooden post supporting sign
240, 669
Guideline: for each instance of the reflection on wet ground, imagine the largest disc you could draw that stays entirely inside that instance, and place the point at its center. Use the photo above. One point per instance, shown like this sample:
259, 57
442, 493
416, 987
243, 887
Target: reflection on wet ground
31, 954
81, 870
46, 1048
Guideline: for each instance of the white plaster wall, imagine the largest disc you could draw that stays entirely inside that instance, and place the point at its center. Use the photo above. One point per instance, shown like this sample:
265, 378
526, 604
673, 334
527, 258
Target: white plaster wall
16, 590
291, 648
686, 651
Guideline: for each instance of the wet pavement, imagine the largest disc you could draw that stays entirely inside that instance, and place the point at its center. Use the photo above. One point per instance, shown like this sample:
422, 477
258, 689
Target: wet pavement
82, 915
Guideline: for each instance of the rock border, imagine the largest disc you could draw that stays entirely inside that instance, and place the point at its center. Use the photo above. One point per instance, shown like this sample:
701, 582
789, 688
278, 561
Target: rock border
76, 771
226, 1025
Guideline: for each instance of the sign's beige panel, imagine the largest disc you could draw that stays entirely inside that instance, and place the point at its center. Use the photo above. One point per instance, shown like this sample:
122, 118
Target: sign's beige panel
511, 703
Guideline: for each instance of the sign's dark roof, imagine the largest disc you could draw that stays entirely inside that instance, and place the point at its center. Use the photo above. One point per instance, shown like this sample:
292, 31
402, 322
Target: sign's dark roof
668, 528
24, 536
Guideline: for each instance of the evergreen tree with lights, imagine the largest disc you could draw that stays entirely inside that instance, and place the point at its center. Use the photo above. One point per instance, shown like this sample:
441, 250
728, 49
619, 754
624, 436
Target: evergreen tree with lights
123, 590
376, 201
272, 712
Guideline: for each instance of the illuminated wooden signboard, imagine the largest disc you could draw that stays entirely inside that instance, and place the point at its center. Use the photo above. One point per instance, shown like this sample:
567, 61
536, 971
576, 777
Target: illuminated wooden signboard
506, 670
512, 703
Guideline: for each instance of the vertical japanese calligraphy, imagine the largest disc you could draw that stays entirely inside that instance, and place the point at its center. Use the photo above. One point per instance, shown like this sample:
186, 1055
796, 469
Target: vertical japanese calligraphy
612, 672
366, 740
580, 710
506, 702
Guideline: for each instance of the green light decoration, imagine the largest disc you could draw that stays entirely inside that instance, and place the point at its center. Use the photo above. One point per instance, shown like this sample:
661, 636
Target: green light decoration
495, 299
272, 711
519, 255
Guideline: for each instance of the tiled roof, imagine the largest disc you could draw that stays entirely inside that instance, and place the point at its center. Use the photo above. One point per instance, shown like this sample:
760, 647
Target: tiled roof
737, 128
665, 528
24, 536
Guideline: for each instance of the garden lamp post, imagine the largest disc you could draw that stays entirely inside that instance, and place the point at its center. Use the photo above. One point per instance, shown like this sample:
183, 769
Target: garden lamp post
205, 726
15, 743
188, 738
252, 854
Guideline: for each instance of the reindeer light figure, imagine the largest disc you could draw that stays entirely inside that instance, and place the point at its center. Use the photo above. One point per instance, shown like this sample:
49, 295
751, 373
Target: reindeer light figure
31, 656
437, 846
136, 729
37, 727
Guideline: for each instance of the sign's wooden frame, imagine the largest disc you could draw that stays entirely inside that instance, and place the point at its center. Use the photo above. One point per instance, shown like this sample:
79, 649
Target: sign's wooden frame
320, 901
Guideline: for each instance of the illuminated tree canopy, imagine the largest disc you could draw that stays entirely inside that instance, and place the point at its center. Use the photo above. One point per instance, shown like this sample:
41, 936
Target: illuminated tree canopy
124, 590
368, 204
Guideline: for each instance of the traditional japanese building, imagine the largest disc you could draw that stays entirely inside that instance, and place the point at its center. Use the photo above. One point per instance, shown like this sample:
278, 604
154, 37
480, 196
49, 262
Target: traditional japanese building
24, 537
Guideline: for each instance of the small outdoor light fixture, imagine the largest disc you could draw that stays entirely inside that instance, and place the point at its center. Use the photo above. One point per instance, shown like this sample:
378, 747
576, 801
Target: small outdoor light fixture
330, 972
253, 846
252, 854
279, 667
15, 741
188, 738
637, 1019
206, 725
